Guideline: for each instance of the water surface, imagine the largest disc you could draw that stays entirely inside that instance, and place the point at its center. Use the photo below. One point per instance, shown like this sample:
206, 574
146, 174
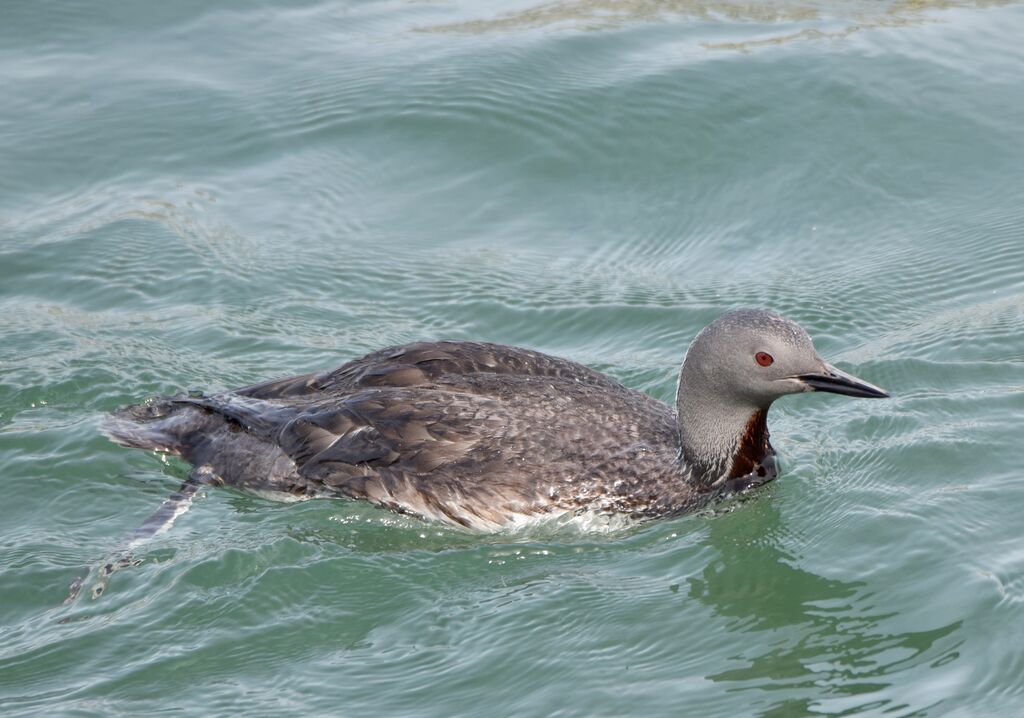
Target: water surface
198, 196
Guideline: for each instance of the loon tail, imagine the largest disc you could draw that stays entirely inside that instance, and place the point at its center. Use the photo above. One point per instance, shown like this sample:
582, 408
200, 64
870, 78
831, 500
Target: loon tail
151, 426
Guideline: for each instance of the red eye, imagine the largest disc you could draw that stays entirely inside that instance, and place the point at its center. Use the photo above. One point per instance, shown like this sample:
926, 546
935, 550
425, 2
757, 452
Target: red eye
764, 358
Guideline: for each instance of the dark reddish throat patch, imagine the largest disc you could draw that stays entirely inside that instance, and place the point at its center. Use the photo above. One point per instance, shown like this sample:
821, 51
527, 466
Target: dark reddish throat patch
753, 446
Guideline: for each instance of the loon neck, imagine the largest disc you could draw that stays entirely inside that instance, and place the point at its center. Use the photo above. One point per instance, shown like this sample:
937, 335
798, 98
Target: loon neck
753, 447
718, 443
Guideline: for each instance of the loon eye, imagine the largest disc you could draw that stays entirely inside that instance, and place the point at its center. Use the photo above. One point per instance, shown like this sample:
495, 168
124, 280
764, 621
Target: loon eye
764, 358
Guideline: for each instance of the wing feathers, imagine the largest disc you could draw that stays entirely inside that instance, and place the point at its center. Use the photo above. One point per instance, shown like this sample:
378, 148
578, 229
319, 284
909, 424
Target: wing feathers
457, 430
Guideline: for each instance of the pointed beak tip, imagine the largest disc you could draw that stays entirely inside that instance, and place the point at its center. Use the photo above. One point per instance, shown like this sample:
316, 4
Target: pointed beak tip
836, 381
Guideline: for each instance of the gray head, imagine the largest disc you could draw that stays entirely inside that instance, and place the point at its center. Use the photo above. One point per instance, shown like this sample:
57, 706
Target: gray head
753, 357
736, 367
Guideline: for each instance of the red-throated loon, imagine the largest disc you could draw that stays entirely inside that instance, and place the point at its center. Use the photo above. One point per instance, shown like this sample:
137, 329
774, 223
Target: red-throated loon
485, 435
481, 435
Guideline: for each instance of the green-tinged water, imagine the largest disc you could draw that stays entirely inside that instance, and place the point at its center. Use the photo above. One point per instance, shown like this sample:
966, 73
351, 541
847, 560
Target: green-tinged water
201, 195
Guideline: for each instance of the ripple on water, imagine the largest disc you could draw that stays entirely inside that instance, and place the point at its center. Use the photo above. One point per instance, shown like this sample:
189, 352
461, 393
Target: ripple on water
188, 209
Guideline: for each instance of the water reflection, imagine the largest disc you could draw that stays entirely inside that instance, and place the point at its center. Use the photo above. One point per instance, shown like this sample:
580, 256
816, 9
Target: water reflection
836, 655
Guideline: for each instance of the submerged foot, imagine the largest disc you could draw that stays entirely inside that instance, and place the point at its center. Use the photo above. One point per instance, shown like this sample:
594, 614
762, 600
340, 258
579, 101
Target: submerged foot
156, 523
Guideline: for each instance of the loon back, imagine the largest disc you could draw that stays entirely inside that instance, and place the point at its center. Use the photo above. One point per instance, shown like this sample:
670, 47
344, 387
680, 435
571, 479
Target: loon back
470, 433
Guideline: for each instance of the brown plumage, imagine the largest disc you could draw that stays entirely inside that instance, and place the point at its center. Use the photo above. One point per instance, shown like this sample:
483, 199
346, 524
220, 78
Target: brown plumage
482, 435
474, 434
